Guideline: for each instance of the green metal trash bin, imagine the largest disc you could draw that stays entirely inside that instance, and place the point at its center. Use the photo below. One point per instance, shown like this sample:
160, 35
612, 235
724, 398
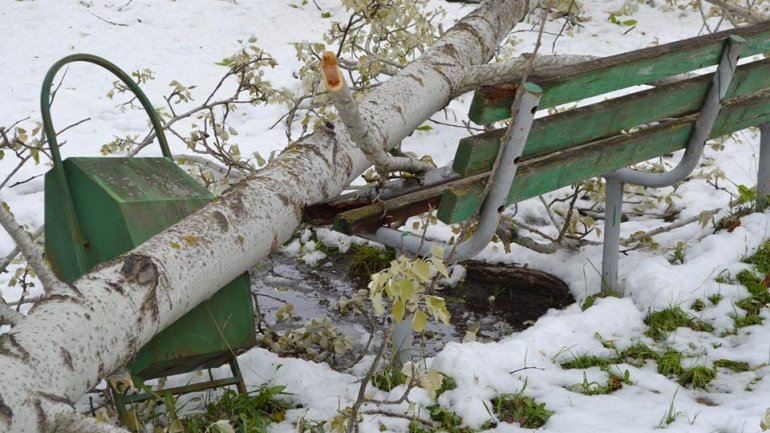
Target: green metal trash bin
99, 208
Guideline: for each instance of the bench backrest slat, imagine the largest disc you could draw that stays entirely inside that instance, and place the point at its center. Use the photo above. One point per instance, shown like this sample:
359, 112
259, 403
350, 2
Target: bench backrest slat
584, 80
476, 154
555, 170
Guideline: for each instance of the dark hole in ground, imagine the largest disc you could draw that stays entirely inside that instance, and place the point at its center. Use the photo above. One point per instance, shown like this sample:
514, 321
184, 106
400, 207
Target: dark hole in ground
521, 295
515, 295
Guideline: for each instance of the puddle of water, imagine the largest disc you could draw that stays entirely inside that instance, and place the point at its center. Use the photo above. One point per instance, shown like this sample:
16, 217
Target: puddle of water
501, 299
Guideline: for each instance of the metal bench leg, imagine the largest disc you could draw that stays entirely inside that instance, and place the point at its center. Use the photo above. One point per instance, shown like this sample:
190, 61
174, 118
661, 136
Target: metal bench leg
611, 247
763, 174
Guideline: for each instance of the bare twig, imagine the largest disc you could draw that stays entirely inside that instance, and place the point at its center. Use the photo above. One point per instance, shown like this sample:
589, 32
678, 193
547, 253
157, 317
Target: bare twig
361, 398
108, 21
5, 261
673, 226
32, 252
747, 14
207, 163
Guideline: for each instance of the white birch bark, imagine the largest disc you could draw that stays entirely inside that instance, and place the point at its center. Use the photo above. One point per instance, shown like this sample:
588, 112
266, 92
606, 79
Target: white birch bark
82, 332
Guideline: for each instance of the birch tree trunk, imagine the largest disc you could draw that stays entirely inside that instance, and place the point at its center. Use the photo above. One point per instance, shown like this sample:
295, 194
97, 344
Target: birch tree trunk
82, 332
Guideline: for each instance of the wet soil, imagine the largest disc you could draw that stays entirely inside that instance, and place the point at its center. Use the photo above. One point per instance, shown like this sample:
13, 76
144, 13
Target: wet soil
502, 299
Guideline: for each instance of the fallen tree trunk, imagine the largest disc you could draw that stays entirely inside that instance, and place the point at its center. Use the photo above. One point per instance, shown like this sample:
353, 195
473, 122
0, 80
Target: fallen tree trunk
80, 333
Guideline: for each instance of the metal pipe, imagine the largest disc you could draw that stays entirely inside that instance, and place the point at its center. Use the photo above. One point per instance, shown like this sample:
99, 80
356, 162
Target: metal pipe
763, 173
611, 246
704, 123
524, 107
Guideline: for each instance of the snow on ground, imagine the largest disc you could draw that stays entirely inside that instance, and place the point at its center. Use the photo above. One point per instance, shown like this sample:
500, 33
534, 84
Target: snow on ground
182, 40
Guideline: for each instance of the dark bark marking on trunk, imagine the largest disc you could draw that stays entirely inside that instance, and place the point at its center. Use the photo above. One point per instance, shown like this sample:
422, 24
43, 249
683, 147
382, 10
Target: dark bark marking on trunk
133, 348
116, 287
141, 269
467, 28
21, 353
42, 419
450, 50
417, 79
6, 414
444, 77
75, 289
56, 298
221, 221
55, 398
67, 358
234, 202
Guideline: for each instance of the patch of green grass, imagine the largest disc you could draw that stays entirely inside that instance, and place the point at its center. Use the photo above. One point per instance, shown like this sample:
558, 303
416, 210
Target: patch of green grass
664, 321
698, 305
388, 378
368, 259
638, 353
748, 320
589, 301
670, 365
447, 384
736, 366
447, 421
588, 361
714, 299
755, 285
517, 408
698, 376
614, 383
761, 258
246, 413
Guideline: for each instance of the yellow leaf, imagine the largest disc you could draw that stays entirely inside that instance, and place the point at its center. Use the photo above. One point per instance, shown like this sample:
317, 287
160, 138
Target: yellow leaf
420, 321
437, 308
431, 382
377, 304
405, 289
440, 266
437, 251
398, 311
421, 270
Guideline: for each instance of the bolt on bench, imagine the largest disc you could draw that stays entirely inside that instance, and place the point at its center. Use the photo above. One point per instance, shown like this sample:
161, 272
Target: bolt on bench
545, 154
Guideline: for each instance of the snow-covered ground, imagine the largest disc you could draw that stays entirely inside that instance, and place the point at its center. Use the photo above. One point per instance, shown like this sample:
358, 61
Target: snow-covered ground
183, 40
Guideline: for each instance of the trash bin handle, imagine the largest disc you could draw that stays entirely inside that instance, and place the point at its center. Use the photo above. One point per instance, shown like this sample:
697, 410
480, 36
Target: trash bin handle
45, 101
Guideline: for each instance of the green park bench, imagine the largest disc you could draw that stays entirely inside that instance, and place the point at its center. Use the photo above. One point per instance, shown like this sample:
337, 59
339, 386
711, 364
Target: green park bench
599, 139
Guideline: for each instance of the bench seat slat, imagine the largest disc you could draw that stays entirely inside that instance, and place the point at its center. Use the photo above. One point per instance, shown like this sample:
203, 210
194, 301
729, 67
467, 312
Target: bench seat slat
476, 154
596, 77
555, 170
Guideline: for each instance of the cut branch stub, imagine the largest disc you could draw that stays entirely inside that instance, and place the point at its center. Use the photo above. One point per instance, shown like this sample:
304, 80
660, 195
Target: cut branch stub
359, 131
